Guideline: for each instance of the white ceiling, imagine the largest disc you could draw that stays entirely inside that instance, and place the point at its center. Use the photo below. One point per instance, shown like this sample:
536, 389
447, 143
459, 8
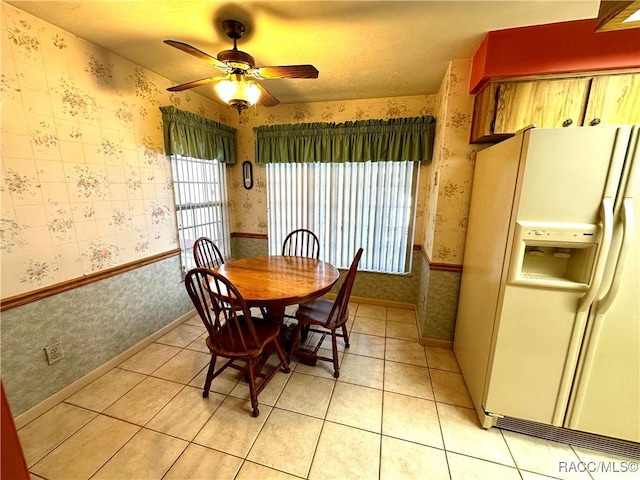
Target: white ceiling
363, 49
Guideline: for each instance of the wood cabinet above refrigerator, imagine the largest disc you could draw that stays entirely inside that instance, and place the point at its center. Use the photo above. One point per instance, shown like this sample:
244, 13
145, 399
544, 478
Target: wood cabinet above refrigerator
503, 108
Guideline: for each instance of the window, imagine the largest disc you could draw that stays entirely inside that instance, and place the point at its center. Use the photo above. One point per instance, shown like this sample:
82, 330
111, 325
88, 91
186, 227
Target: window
200, 188
348, 205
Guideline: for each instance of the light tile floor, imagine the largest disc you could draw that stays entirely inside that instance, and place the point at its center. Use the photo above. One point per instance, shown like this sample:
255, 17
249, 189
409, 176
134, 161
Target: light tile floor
398, 411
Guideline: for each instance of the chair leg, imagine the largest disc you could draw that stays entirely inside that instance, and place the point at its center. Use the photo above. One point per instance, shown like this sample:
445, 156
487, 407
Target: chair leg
209, 379
252, 387
294, 342
334, 345
345, 335
282, 356
305, 333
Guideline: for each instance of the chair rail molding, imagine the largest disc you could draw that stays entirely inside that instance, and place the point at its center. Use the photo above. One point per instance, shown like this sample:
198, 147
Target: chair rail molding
32, 296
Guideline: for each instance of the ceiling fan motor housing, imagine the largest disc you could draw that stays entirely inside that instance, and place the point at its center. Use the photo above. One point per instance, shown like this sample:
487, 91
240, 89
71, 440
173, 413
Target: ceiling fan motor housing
237, 59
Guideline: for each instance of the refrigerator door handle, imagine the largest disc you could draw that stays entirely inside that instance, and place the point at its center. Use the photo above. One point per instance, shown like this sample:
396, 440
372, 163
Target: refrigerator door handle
580, 322
574, 410
628, 231
606, 213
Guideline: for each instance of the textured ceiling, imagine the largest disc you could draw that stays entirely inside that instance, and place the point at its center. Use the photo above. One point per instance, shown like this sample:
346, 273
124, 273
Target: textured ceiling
363, 49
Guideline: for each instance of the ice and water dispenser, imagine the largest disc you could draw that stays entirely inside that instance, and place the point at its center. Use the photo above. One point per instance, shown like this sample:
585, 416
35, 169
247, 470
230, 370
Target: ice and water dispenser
554, 255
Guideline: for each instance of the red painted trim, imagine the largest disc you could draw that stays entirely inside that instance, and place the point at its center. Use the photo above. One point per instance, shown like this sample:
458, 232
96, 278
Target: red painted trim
12, 462
567, 47
479, 64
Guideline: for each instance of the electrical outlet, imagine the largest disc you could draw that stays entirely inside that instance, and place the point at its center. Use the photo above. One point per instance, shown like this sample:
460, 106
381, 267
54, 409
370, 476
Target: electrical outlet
54, 352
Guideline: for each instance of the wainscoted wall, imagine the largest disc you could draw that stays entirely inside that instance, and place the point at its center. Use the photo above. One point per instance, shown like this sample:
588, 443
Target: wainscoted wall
249, 246
95, 323
394, 288
85, 187
423, 290
442, 304
437, 302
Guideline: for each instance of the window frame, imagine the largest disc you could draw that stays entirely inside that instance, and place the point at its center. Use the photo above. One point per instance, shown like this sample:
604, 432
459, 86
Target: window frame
204, 175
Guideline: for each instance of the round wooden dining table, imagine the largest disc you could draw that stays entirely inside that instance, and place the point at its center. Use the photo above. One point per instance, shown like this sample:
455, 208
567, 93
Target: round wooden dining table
273, 282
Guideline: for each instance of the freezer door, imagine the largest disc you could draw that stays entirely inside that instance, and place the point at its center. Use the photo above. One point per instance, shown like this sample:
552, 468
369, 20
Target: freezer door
569, 171
533, 339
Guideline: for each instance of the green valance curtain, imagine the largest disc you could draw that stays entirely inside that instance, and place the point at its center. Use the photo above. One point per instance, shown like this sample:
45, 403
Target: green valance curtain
194, 136
397, 139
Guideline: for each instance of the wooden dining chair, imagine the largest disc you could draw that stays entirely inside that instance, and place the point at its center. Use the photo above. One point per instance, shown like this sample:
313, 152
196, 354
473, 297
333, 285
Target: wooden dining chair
301, 243
206, 254
325, 317
233, 334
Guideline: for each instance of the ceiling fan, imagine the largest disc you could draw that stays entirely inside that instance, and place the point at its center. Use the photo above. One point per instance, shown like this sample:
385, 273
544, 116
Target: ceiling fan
239, 88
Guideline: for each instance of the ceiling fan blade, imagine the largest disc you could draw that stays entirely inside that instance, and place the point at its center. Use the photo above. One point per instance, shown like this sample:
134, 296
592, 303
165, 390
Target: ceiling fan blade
197, 53
286, 71
195, 83
266, 98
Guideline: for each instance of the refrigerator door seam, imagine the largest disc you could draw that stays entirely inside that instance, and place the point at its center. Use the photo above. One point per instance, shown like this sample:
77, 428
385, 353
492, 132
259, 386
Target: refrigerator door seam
582, 314
601, 307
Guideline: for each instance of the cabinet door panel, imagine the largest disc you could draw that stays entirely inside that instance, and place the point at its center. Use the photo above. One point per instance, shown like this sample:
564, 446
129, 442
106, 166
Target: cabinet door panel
614, 99
547, 103
484, 110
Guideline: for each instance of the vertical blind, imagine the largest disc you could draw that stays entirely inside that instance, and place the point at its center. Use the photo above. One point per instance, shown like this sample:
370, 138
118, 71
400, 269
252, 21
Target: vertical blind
200, 188
348, 206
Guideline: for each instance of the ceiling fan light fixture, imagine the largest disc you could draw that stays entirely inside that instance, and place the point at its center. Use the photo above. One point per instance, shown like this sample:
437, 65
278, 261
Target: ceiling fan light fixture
238, 92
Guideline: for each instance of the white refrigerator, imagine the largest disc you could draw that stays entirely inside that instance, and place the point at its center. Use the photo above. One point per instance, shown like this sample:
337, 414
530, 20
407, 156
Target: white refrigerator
548, 323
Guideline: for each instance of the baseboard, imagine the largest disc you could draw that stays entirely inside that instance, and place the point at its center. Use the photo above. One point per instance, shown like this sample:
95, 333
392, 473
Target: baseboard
58, 397
383, 303
426, 341
436, 342
433, 342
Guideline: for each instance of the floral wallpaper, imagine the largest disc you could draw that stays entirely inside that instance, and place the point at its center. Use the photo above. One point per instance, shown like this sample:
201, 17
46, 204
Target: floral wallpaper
249, 207
85, 186
454, 161
85, 182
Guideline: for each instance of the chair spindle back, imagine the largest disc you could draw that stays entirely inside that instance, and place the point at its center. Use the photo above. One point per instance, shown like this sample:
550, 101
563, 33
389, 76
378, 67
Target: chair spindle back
206, 254
301, 243
231, 329
341, 302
